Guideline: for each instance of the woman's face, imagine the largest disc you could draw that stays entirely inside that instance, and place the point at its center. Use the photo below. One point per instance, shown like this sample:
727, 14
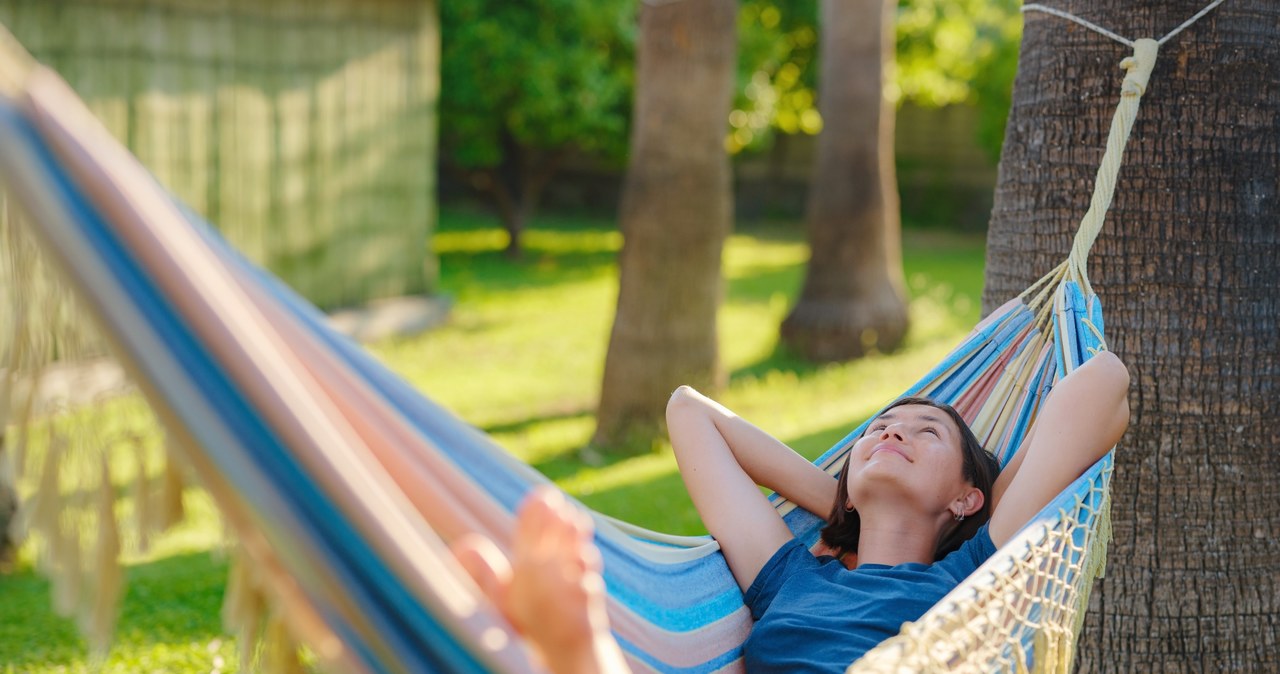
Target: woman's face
910, 452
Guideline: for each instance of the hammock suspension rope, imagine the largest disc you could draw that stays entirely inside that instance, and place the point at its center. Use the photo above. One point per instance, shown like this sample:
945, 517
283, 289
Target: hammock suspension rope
1037, 7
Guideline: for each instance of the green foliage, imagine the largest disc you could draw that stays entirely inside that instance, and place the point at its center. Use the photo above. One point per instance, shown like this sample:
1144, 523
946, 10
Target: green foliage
959, 51
777, 72
948, 52
545, 73
993, 93
551, 74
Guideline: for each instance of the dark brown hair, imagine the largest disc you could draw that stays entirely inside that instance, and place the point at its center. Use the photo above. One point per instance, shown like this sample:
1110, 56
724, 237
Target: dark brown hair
979, 468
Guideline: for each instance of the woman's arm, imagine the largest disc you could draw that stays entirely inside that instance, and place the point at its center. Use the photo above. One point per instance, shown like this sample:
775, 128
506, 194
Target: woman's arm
1083, 418
722, 458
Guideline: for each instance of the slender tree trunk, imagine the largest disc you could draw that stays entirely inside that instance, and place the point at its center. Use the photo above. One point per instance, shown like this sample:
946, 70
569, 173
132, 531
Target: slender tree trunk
675, 214
1187, 270
515, 187
853, 298
8, 503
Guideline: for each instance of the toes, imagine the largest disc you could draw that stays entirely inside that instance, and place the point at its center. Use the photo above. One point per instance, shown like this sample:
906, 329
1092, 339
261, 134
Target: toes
485, 563
535, 522
553, 533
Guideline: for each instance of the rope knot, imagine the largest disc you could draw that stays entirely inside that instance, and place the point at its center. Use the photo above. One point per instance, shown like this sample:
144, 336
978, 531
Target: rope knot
1139, 67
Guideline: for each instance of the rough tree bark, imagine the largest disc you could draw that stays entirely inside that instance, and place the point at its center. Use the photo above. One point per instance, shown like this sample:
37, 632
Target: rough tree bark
853, 298
1187, 270
675, 214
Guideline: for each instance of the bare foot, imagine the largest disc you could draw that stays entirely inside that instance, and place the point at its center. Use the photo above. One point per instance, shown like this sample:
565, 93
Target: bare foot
551, 590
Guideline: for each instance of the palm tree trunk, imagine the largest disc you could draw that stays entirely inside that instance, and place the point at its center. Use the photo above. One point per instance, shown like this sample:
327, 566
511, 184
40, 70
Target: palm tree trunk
1186, 268
675, 213
853, 298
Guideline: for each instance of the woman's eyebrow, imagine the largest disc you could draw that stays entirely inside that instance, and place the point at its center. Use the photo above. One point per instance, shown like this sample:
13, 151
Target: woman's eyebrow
937, 420
883, 417
929, 418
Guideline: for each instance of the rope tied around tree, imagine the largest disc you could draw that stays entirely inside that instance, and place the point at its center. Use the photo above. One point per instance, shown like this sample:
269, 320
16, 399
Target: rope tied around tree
1138, 73
1138, 68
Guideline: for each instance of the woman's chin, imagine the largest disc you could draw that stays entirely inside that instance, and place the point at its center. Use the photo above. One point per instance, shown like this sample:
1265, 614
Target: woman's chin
879, 476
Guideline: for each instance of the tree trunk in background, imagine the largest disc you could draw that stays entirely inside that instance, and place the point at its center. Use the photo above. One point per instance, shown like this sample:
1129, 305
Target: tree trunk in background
8, 501
1187, 270
514, 188
675, 213
853, 298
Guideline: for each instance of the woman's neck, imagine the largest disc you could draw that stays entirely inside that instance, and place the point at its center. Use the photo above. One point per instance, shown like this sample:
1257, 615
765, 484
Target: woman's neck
896, 537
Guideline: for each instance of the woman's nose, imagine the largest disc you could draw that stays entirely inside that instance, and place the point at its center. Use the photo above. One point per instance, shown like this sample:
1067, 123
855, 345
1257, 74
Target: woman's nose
891, 432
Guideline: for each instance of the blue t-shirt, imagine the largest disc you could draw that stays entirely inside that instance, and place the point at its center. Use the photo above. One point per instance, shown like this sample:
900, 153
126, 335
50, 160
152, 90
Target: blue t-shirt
814, 615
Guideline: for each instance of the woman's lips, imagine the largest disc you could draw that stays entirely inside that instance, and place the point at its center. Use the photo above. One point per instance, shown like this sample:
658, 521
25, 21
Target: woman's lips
891, 449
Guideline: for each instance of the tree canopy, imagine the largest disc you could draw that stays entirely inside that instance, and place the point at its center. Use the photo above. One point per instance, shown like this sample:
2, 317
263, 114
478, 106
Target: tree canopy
547, 72
948, 52
524, 83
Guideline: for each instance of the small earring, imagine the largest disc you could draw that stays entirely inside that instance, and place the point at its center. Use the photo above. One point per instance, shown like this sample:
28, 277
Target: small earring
848, 508
960, 516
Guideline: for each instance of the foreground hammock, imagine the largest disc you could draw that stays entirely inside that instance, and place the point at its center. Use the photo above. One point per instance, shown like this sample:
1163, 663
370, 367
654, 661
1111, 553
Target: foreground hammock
340, 480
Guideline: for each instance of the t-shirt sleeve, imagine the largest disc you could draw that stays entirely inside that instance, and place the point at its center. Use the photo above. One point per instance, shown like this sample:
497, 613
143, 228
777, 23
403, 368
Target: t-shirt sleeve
790, 557
969, 556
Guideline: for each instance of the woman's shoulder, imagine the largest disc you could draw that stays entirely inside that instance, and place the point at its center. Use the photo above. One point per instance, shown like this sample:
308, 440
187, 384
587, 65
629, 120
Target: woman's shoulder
969, 556
790, 558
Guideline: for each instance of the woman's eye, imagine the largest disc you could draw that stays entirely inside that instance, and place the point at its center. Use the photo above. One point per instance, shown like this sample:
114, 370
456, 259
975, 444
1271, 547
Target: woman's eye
931, 430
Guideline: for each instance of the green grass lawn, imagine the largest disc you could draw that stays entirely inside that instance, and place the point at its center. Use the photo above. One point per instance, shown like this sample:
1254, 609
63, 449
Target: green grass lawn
521, 358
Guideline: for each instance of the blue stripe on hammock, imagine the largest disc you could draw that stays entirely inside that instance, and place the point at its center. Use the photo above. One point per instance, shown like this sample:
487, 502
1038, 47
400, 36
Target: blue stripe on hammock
1095, 316
1008, 329
666, 668
1028, 410
263, 459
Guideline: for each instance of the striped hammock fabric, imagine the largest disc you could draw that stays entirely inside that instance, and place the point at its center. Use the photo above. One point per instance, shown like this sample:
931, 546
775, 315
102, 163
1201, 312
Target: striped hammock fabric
341, 481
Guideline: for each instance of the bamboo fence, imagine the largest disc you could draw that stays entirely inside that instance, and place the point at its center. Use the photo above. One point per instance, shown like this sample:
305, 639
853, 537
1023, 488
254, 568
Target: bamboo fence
305, 129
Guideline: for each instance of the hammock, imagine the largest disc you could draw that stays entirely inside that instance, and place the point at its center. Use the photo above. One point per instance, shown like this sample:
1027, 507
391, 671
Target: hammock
341, 481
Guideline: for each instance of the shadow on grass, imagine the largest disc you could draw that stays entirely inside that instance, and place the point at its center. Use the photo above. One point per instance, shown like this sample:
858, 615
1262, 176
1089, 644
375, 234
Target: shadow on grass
782, 360
489, 271
766, 283
578, 248
522, 425
567, 464
174, 600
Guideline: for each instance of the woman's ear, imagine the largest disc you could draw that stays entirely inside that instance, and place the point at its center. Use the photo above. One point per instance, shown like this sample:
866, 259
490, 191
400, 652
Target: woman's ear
971, 502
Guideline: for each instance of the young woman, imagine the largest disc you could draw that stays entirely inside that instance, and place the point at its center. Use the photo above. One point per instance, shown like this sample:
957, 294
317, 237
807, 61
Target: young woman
914, 486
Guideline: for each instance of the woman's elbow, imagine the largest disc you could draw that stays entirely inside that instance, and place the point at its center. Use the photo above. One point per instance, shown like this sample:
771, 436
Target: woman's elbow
1106, 375
681, 400
1116, 376
1111, 379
